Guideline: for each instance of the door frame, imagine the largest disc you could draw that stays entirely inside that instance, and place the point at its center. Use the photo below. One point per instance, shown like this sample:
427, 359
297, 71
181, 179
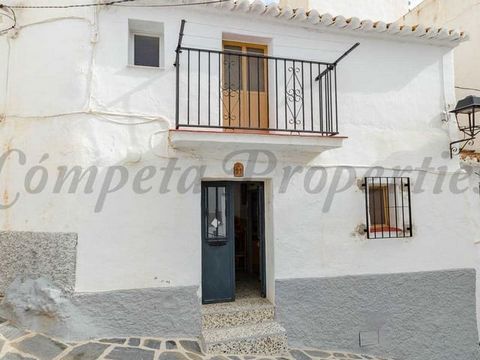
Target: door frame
263, 247
262, 216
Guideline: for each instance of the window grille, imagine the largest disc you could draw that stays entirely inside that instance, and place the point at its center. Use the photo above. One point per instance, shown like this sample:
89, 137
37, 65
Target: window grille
388, 207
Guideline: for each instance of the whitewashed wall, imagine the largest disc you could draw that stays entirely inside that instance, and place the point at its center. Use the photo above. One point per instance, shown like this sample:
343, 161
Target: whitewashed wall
66, 77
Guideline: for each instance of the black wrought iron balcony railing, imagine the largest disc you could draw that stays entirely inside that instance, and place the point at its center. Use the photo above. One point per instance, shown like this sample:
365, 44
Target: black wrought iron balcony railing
242, 88
227, 89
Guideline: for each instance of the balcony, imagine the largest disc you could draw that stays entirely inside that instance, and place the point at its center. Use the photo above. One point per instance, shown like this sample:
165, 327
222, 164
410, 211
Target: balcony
242, 97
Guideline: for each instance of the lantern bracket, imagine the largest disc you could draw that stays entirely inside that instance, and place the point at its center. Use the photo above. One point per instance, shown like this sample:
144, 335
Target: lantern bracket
457, 146
469, 127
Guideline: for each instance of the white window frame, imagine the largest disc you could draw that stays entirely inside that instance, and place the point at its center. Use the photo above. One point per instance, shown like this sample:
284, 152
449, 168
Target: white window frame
134, 29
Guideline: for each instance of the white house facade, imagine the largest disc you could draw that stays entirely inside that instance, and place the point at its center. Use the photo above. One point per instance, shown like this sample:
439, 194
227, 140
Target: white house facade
160, 161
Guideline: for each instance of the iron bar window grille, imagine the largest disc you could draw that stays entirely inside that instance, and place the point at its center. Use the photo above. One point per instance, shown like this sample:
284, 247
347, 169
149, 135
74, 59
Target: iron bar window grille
388, 207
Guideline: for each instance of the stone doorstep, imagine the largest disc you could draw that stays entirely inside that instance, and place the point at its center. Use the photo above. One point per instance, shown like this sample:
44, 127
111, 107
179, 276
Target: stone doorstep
236, 315
243, 332
233, 307
246, 309
268, 338
238, 304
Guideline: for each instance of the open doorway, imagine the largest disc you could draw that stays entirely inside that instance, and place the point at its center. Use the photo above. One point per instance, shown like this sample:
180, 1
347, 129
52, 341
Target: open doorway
233, 240
248, 225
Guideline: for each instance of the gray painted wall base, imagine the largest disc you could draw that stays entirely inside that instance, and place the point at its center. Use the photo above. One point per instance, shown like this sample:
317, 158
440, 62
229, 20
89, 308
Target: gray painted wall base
417, 316
157, 312
36, 304
48, 254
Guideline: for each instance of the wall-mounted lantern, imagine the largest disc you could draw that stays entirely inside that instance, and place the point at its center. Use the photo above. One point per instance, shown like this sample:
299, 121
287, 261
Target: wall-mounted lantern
465, 115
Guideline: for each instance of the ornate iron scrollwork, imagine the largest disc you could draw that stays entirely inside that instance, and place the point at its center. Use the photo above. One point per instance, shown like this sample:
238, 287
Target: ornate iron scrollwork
465, 115
230, 89
457, 146
230, 101
294, 94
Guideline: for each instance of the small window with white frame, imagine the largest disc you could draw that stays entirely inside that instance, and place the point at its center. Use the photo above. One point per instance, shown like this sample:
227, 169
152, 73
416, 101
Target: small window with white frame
146, 43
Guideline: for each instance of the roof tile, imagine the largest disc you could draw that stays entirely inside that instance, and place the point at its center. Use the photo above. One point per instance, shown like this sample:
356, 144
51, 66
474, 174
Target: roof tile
314, 18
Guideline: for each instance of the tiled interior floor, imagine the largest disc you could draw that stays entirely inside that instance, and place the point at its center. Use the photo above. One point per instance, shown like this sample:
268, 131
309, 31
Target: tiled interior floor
246, 285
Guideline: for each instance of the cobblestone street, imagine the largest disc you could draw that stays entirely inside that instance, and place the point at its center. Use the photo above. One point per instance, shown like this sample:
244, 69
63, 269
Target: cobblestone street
18, 344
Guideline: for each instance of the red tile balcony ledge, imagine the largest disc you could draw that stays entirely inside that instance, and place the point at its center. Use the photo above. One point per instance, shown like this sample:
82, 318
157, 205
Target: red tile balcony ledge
229, 140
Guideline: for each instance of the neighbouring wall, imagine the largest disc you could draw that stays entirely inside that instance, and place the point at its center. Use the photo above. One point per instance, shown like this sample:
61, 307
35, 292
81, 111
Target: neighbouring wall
414, 316
463, 16
49, 254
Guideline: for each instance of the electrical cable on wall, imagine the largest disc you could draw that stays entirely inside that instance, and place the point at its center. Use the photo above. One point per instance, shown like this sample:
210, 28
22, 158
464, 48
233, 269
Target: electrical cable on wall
107, 3
9, 13
110, 3
173, 5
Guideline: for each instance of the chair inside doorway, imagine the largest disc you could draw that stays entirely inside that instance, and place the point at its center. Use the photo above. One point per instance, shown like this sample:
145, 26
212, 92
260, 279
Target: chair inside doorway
248, 237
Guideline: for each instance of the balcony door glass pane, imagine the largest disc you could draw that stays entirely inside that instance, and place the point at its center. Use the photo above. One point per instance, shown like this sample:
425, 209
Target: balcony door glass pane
256, 70
232, 68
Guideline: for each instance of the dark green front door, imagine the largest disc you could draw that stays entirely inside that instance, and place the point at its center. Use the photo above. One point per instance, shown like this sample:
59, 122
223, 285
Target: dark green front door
218, 243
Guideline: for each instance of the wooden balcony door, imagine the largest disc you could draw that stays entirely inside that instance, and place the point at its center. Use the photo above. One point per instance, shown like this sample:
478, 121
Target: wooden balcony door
245, 86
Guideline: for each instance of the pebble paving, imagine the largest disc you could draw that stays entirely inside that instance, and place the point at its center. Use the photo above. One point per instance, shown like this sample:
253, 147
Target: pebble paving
18, 344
